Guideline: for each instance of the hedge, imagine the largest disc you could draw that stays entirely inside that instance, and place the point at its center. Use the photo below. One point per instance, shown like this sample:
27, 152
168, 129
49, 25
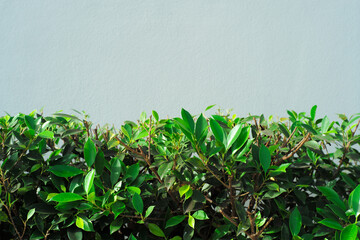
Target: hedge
194, 177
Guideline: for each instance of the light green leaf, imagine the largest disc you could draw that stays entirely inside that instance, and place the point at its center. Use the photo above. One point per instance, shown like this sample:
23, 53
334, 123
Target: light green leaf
156, 115
233, 135
89, 180
154, 229
265, 157
65, 171
313, 112
191, 222
325, 124
84, 224
188, 119
183, 190
132, 190
217, 130
209, 107
200, 215
295, 222
174, 221
66, 197
149, 211
138, 203
89, 152
30, 213
79, 222
349, 233
354, 201
331, 224
47, 134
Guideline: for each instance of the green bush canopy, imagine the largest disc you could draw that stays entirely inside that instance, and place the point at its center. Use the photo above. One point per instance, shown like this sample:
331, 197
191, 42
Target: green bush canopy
194, 177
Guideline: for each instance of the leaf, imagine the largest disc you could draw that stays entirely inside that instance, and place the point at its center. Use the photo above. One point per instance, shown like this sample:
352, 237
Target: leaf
349, 233
209, 107
331, 224
200, 215
30, 122
191, 222
265, 157
79, 222
295, 222
84, 224
117, 208
156, 115
313, 112
149, 211
284, 129
47, 134
333, 197
65, 171
354, 201
233, 135
154, 229
325, 123
183, 190
174, 221
188, 119
74, 234
66, 197
89, 181
138, 203
132, 237
99, 162
201, 126
30, 213
115, 225
165, 169
243, 137
115, 171
132, 172
217, 130
143, 117
89, 152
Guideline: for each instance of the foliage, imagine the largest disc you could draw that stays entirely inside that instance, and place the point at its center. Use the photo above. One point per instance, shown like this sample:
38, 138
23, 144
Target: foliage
218, 177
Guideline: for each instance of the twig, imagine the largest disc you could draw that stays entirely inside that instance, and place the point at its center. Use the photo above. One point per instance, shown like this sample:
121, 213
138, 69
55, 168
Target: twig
294, 150
357, 125
228, 218
287, 140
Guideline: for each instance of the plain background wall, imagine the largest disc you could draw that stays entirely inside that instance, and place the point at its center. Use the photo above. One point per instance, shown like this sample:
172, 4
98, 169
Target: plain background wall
115, 59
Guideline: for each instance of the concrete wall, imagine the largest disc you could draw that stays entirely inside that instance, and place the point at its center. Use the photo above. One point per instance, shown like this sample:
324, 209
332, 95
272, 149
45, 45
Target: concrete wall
115, 59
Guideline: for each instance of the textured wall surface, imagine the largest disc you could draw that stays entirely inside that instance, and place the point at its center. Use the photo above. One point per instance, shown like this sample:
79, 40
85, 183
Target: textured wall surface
115, 59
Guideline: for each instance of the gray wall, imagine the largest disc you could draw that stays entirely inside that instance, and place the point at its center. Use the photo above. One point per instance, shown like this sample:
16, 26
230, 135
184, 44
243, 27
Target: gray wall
115, 59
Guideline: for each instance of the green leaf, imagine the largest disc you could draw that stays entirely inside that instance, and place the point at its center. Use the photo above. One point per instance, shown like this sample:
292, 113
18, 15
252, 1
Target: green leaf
89, 152
154, 229
313, 112
115, 171
143, 117
156, 115
89, 181
243, 137
233, 135
188, 119
149, 211
165, 169
200, 215
79, 222
117, 208
47, 134
174, 221
132, 172
84, 224
138, 203
183, 190
209, 107
66, 197
74, 234
132, 190
284, 129
30, 122
217, 130
354, 201
115, 225
325, 123
349, 233
295, 222
201, 127
191, 222
30, 213
332, 196
3, 217
331, 224
99, 162
265, 157
65, 171
132, 237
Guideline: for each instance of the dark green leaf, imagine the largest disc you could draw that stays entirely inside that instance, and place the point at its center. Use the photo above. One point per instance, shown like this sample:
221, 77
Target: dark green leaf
331, 224
65, 171
332, 196
233, 136
138, 203
117, 208
115, 225
66, 197
354, 201
89, 152
217, 130
265, 157
295, 222
188, 119
30, 122
284, 129
99, 163
201, 127
115, 171
154, 229
174, 221
132, 172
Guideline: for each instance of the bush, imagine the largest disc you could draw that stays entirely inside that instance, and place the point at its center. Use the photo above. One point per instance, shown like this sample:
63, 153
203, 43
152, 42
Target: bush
223, 177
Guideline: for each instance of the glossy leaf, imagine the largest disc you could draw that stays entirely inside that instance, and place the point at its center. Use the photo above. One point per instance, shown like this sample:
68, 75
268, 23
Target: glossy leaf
201, 127
332, 196
30, 213
47, 134
191, 221
149, 211
354, 201
349, 233
173, 221
65, 171
89, 152
115, 171
331, 224
89, 180
138, 203
117, 208
30, 122
132, 172
183, 190
295, 222
200, 215
154, 229
115, 225
233, 135
188, 119
66, 197
217, 130
265, 157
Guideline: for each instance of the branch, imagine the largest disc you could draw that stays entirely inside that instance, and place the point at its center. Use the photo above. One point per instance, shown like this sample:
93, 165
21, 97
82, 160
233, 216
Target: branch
294, 150
357, 125
228, 218
287, 140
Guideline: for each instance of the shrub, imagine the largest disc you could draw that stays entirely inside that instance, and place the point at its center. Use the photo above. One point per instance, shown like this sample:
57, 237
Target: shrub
223, 177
